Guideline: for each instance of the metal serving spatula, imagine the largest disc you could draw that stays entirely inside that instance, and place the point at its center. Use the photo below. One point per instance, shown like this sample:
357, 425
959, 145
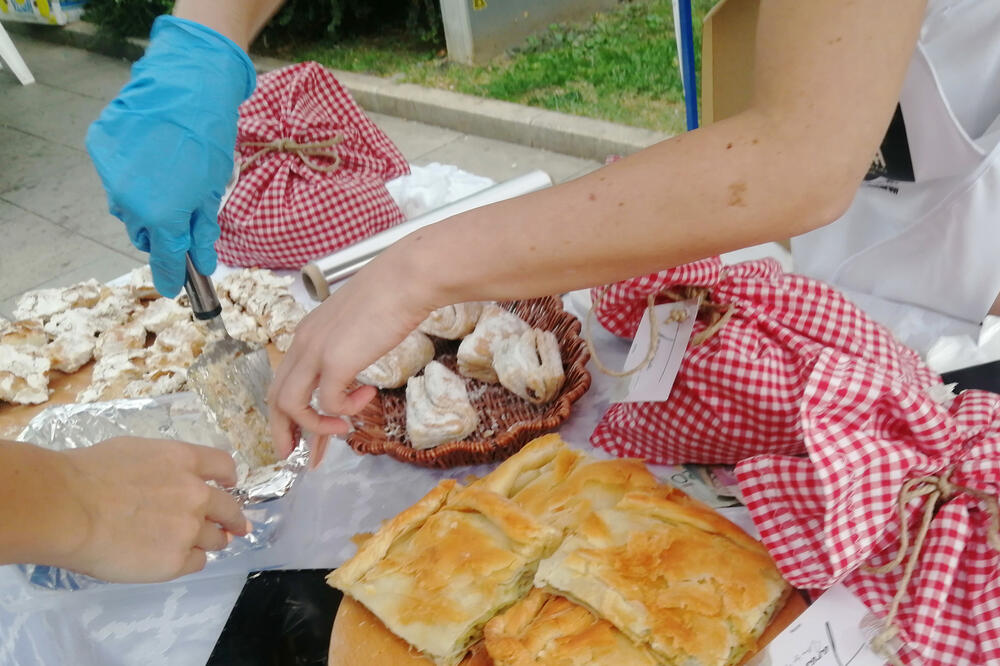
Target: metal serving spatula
231, 377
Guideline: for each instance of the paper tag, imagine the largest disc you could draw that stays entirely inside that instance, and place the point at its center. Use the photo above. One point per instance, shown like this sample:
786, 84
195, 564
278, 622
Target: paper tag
833, 631
653, 383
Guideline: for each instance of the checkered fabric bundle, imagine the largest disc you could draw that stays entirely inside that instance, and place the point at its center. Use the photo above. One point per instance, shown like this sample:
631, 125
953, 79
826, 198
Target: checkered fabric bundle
881, 449
738, 393
313, 169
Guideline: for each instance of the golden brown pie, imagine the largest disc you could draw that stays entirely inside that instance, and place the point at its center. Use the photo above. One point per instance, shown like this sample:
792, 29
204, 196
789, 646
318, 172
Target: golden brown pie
436, 573
673, 576
546, 629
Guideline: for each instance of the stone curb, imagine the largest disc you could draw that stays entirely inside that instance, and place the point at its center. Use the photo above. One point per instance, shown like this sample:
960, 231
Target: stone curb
539, 128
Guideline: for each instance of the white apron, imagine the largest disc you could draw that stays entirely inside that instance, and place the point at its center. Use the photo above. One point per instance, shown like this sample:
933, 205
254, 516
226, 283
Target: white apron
919, 248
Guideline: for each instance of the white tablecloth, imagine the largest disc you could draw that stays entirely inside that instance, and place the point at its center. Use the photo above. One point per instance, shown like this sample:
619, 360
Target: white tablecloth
177, 623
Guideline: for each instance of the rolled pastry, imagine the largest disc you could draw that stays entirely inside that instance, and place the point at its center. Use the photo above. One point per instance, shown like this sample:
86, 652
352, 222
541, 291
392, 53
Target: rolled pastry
438, 409
475, 353
452, 321
401, 363
529, 365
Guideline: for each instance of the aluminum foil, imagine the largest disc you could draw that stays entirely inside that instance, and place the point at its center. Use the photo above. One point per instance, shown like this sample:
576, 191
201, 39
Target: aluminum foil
178, 416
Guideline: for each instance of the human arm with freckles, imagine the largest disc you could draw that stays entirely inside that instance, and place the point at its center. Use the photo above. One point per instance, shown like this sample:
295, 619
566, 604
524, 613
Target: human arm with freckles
125, 510
789, 163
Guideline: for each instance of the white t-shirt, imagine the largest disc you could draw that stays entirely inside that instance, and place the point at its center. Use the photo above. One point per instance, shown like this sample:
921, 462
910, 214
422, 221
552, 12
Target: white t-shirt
919, 248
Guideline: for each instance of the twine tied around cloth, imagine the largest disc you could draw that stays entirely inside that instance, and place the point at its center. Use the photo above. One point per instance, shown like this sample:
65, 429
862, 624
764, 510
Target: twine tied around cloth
304, 151
719, 315
939, 489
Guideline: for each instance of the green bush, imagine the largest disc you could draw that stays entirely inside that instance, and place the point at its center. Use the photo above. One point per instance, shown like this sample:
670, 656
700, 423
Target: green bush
295, 22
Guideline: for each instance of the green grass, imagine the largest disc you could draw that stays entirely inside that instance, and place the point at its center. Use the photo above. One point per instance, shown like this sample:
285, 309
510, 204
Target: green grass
619, 66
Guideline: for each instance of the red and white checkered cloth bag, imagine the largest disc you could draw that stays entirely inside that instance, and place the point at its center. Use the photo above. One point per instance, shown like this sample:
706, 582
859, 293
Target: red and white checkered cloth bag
871, 435
313, 169
738, 393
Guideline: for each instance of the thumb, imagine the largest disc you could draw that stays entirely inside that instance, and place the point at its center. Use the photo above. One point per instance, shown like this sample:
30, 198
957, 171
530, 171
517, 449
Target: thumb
167, 253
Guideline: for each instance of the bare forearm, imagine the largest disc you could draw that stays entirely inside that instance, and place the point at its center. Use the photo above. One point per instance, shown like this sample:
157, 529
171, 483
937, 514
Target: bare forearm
789, 164
240, 20
38, 523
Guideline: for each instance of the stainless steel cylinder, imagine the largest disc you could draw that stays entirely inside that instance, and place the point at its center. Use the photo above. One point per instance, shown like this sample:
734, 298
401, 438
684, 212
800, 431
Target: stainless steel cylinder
319, 274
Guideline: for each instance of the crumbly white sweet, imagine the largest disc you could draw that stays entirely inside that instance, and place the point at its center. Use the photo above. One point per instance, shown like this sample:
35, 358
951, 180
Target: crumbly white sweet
23, 376
438, 409
62, 329
27, 333
162, 314
121, 338
530, 365
264, 296
140, 284
43, 303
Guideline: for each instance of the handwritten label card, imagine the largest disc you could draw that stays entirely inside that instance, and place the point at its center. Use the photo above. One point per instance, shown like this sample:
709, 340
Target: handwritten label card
833, 631
653, 382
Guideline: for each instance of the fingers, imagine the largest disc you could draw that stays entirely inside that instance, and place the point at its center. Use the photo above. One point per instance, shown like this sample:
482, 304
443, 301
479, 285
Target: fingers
212, 537
204, 233
215, 465
225, 510
166, 257
318, 450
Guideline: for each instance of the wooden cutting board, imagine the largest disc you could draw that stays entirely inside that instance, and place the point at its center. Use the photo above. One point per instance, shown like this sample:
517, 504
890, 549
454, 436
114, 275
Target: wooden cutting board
13, 418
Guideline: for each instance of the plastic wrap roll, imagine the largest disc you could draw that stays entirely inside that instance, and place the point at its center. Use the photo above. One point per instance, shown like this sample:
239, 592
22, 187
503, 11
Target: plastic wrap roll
319, 274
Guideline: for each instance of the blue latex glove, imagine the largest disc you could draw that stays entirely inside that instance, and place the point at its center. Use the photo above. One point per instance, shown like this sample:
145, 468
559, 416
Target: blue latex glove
164, 147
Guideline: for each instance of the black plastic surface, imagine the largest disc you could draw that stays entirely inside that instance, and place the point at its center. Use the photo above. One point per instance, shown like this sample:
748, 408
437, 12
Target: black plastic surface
985, 376
282, 617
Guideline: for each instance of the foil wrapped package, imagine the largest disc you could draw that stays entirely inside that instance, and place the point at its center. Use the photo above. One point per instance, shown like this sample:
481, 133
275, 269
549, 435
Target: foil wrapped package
178, 416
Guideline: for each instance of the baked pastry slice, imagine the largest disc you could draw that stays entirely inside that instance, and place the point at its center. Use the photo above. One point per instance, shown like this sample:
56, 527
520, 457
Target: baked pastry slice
452, 321
438, 409
672, 575
475, 353
561, 487
400, 363
437, 572
547, 629
530, 365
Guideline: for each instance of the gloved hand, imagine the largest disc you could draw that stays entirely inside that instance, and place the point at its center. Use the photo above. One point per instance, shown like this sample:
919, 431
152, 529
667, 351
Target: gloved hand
164, 147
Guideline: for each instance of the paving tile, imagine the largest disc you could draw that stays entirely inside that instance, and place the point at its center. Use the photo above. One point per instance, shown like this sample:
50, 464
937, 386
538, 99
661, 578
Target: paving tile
36, 251
64, 121
90, 74
26, 159
502, 161
76, 202
413, 139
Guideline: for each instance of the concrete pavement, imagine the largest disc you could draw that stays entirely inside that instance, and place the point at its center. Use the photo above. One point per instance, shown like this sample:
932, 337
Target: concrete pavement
54, 226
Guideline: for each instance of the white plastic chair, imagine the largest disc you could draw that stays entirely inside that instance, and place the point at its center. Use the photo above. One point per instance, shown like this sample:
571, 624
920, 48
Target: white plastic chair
13, 59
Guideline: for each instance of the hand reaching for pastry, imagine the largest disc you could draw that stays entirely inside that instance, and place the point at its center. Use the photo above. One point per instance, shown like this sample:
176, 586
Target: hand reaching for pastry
356, 325
143, 511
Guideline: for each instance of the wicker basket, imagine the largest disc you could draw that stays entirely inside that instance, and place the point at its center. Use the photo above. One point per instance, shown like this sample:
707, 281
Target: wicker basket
506, 422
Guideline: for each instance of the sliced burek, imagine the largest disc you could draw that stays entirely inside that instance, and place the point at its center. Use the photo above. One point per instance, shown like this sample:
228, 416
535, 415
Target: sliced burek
437, 572
561, 486
672, 575
546, 629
